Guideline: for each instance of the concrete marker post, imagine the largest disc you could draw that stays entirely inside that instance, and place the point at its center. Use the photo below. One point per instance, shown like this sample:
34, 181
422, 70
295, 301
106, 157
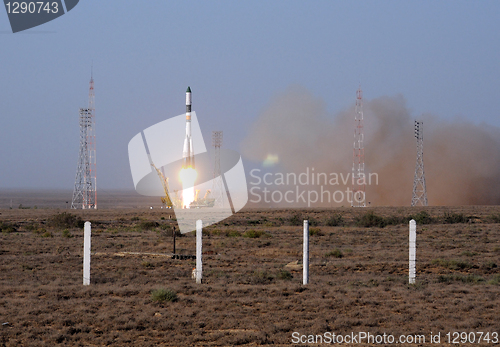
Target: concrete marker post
305, 260
412, 252
199, 264
86, 253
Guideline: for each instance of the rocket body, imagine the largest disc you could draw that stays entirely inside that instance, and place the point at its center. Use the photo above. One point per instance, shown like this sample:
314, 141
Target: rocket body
188, 152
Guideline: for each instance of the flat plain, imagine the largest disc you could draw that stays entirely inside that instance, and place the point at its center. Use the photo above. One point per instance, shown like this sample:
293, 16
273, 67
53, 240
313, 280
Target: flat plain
252, 292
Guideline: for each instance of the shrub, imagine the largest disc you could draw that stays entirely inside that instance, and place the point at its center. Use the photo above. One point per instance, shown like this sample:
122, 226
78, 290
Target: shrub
65, 220
7, 227
460, 278
31, 227
495, 280
452, 264
453, 218
296, 220
47, 234
232, 233
253, 234
336, 253
370, 219
40, 231
284, 275
495, 218
66, 233
148, 225
253, 222
312, 222
423, 217
490, 265
396, 220
162, 295
147, 264
260, 277
315, 231
335, 220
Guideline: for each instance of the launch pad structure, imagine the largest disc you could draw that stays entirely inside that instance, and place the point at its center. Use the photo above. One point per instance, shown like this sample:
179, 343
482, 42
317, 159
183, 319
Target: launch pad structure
218, 185
85, 191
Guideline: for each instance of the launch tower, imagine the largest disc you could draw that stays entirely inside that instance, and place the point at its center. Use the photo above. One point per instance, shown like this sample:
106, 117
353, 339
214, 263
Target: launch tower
419, 191
358, 157
84, 193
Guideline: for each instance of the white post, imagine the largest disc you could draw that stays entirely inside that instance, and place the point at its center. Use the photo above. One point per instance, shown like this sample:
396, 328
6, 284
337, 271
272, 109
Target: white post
86, 254
413, 251
305, 260
199, 264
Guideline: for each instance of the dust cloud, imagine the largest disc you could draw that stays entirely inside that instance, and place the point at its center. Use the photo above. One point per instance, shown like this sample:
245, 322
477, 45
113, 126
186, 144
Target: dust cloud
461, 159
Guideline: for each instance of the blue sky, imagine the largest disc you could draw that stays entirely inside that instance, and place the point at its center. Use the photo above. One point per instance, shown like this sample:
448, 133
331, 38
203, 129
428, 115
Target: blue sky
442, 56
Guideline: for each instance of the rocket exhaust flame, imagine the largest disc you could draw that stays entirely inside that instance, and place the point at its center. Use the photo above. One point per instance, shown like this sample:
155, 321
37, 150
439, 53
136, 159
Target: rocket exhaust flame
188, 177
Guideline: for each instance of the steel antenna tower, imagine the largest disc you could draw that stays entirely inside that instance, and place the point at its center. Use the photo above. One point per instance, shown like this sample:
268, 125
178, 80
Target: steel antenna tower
85, 193
358, 156
217, 189
419, 190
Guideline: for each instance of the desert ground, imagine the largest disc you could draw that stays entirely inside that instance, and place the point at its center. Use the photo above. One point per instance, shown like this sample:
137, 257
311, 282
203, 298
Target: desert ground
252, 292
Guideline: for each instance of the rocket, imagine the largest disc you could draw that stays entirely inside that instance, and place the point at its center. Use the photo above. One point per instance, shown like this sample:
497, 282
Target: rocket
188, 152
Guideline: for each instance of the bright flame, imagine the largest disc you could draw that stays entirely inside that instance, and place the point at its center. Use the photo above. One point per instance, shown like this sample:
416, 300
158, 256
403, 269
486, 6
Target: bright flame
187, 177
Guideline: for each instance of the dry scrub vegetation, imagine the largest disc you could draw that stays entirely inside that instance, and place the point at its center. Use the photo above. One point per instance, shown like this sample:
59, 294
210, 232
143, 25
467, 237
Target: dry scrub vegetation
139, 296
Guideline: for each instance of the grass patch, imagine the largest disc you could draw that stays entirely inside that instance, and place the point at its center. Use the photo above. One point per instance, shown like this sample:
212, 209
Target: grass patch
369, 284
336, 253
162, 295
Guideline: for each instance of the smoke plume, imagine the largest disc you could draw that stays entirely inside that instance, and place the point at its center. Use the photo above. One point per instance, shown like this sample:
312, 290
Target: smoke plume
461, 159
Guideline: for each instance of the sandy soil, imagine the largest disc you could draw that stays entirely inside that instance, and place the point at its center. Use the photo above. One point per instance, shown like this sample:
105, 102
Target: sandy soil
249, 296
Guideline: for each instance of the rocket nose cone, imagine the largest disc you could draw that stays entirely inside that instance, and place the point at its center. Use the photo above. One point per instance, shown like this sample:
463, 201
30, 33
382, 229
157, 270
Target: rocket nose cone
188, 90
